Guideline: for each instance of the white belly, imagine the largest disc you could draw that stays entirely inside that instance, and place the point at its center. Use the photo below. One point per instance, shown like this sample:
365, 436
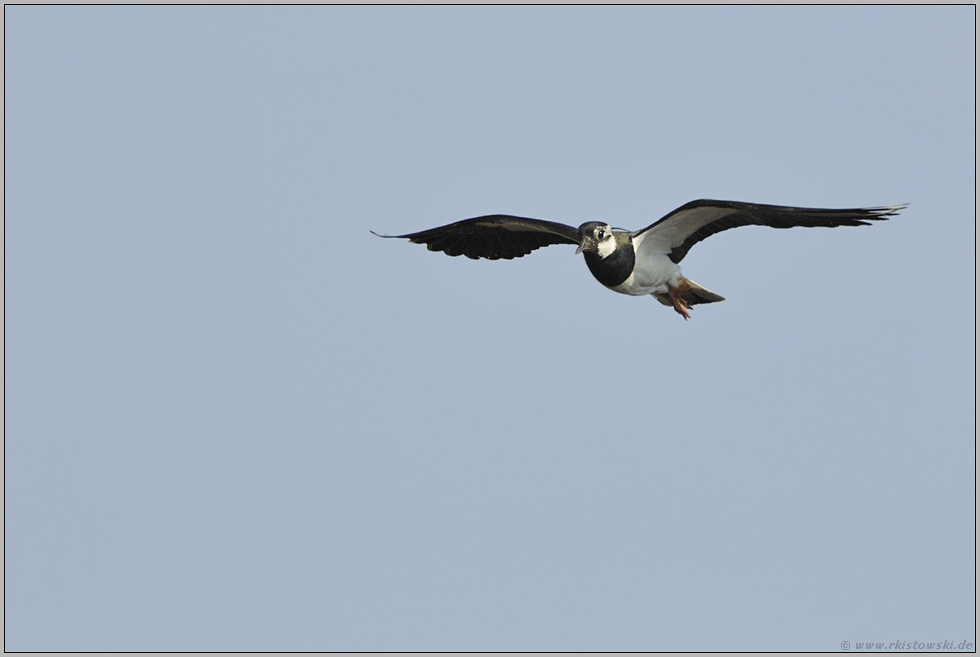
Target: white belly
651, 276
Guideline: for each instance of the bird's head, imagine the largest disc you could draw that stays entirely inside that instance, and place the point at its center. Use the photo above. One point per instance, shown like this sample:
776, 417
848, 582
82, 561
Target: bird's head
598, 238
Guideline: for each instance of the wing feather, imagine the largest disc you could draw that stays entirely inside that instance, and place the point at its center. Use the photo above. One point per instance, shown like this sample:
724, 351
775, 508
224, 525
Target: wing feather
494, 237
677, 232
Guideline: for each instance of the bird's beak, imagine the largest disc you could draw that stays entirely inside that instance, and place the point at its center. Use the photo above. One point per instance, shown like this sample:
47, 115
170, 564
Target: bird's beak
586, 245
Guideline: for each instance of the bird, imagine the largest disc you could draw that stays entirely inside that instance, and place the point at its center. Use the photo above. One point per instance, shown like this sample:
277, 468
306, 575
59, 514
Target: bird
637, 263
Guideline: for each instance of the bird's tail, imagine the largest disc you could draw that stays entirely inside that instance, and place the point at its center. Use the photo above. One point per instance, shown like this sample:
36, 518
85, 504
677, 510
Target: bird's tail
691, 293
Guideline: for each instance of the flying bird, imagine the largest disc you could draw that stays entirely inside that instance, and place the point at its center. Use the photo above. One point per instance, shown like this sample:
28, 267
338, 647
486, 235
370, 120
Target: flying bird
639, 262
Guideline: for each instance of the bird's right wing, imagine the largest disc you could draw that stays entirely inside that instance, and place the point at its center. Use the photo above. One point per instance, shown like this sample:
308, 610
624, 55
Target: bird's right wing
493, 237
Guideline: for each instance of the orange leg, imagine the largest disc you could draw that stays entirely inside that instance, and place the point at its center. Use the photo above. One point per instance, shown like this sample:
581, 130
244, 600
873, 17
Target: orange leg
680, 305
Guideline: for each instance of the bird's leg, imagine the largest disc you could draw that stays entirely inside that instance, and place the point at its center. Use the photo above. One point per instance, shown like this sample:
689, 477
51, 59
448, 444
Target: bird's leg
680, 305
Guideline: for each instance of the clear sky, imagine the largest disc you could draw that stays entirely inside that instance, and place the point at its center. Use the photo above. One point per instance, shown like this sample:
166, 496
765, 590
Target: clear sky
236, 420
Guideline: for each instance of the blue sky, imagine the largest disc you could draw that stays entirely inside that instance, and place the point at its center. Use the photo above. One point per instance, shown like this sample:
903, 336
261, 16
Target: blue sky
236, 420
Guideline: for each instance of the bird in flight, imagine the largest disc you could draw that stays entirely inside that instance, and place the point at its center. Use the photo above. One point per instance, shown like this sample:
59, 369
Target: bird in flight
635, 262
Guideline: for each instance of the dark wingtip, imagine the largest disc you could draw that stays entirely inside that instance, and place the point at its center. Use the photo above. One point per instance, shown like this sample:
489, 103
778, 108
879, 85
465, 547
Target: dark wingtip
380, 235
887, 210
880, 213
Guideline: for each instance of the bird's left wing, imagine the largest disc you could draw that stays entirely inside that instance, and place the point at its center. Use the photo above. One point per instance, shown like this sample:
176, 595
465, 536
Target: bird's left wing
676, 233
493, 237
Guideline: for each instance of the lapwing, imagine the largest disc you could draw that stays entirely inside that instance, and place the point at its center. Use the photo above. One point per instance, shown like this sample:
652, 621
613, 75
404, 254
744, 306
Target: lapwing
639, 262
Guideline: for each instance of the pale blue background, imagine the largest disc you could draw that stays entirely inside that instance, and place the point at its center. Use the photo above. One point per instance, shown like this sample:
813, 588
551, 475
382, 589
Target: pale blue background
236, 420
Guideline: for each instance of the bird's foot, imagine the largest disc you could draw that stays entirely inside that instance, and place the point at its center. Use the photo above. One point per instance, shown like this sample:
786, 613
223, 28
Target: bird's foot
680, 305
